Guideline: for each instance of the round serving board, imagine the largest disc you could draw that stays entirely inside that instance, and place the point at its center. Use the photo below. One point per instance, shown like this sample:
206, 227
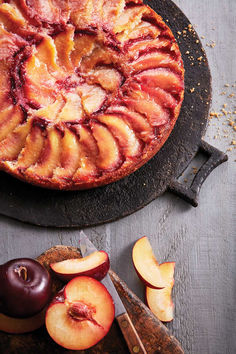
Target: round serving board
86, 208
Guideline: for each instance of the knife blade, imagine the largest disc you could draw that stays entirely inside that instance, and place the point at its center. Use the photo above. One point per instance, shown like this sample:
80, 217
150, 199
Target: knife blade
87, 247
128, 330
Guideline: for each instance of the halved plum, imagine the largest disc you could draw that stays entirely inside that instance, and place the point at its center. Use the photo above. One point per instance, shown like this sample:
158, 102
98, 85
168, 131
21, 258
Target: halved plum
81, 315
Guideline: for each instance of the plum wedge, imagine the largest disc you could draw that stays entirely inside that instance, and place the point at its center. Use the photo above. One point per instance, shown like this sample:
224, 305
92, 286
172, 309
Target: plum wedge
159, 300
96, 265
146, 265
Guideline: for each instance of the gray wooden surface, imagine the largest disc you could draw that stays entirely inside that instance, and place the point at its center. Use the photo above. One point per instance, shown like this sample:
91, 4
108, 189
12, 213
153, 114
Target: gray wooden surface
202, 240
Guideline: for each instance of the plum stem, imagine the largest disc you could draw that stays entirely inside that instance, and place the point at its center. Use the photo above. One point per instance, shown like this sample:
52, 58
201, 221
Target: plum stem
22, 272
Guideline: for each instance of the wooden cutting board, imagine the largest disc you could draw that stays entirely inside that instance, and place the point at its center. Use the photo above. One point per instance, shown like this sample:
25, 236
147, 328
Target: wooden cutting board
154, 335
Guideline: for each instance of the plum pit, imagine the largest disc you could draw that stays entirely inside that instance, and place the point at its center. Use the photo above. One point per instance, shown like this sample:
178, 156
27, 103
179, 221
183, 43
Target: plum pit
79, 311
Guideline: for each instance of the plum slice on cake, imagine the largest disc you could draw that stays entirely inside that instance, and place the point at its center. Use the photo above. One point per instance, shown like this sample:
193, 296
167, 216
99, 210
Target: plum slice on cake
89, 92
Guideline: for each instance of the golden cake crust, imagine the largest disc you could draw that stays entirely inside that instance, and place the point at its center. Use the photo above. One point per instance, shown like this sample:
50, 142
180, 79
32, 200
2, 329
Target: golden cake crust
90, 90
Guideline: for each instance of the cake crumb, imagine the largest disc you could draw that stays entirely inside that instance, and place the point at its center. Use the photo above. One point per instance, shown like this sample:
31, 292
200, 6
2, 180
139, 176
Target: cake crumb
192, 90
199, 59
224, 111
214, 114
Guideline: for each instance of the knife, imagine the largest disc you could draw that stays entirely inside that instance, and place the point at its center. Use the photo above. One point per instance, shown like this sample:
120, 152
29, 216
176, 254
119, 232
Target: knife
128, 330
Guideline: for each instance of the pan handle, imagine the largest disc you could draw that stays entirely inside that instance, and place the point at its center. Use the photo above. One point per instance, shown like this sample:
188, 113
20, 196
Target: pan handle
190, 194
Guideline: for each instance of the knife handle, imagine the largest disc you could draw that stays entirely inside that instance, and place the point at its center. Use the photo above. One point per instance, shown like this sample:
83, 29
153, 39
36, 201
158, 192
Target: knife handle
130, 334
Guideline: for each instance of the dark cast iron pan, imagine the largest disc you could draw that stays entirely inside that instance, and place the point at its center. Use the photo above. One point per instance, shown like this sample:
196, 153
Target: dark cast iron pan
86, 208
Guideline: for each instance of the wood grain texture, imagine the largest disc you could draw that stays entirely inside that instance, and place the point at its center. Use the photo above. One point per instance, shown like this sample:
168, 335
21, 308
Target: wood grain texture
202, 240
130, 334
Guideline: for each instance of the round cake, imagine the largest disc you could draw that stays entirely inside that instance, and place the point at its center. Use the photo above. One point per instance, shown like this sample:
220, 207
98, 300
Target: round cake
90, 90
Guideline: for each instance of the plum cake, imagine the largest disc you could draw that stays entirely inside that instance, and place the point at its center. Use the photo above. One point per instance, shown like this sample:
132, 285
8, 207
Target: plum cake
90, 90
